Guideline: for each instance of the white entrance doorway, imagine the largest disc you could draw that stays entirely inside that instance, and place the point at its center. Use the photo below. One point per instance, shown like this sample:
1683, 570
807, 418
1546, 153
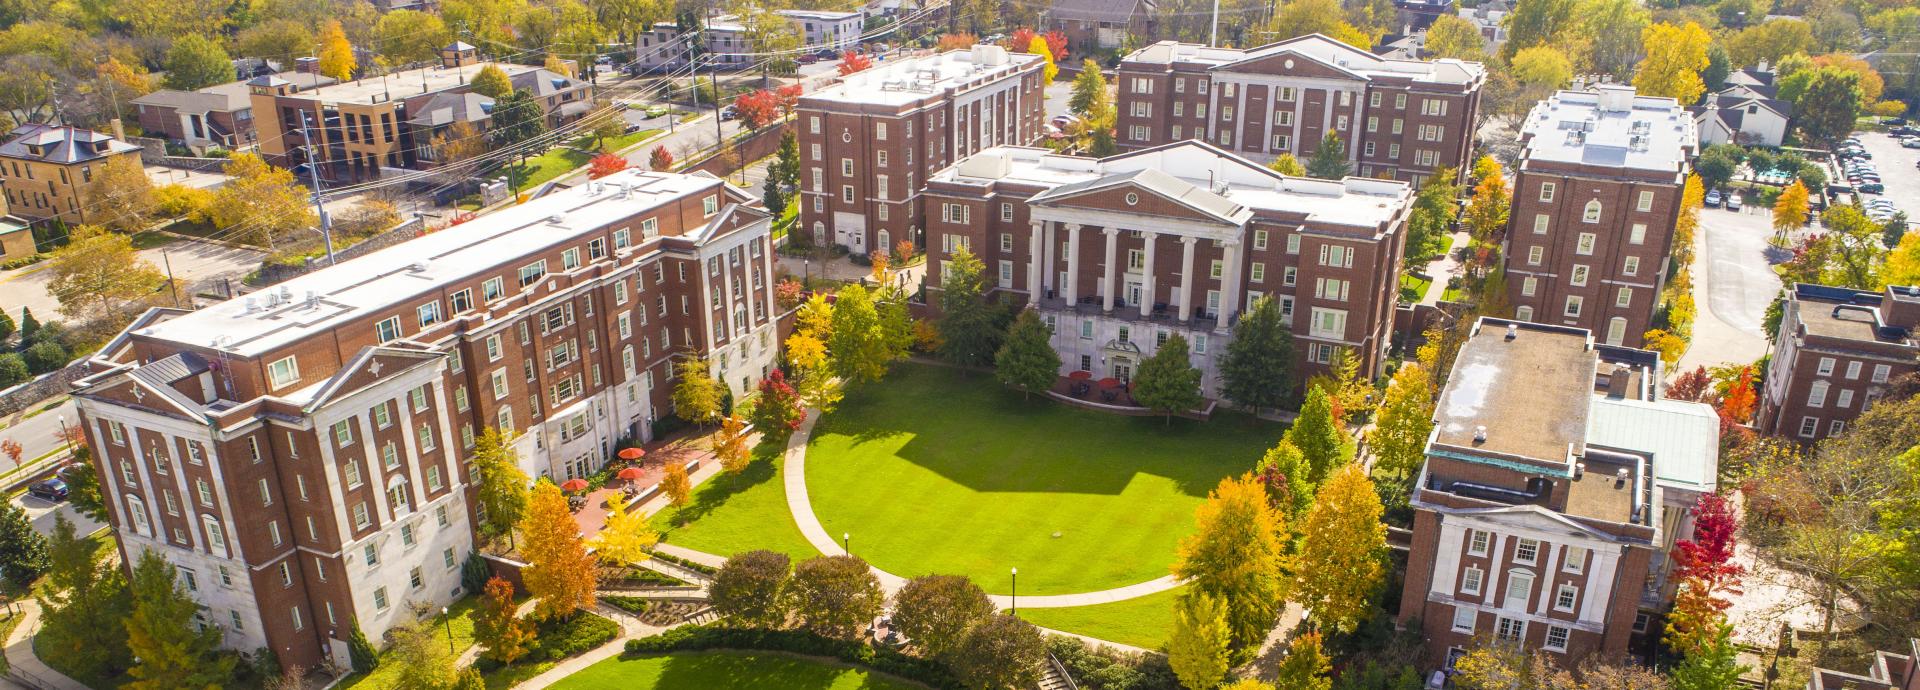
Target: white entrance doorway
1122, 368
850, 229
1135, 290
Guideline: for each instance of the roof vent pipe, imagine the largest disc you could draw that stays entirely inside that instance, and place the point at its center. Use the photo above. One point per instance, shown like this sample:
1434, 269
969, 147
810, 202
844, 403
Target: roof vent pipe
1480, 434
1513, 331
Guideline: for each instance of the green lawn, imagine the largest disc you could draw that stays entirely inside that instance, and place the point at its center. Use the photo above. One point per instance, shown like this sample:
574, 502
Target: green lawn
725, 670
1142, 622
729, 514
547, 166
936, 471
461, 613
1413, 287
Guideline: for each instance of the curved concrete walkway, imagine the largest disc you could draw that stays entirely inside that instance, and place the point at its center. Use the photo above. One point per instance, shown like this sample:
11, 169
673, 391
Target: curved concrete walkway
795, 476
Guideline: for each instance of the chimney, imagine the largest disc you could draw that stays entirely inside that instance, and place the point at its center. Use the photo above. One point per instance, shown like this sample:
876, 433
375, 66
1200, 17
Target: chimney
1619, 382
119, 129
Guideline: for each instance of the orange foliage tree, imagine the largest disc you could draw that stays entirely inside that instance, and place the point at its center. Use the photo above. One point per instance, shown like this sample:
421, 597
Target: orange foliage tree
605, 164
559, 572
757, 108
661, 159
851, 62
502, 635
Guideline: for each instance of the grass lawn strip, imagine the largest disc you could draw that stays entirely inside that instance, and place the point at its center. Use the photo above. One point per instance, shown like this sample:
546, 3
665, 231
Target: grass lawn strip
940, 471
385, 675
730, 514
757, 670
1142, 621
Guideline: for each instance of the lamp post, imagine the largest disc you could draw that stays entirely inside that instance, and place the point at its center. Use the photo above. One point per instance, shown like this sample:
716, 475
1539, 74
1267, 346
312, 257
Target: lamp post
448, 620
1016, 591
845, 539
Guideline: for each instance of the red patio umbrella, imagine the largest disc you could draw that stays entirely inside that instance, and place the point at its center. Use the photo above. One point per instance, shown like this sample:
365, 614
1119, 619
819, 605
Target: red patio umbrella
1109, 383
632, 473
1079, 375
632, 453
574, 484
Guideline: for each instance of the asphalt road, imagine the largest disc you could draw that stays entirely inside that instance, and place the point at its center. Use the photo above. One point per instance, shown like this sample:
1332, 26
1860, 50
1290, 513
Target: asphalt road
1733, 283
41, 432
41, 512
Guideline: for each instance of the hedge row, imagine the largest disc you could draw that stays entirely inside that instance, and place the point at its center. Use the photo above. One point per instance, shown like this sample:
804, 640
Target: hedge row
575, 636
692, 638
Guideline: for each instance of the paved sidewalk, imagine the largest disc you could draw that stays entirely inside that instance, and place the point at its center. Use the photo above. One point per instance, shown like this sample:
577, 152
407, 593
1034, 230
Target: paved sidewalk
795, 477
1443, 268
630, 628
20, 657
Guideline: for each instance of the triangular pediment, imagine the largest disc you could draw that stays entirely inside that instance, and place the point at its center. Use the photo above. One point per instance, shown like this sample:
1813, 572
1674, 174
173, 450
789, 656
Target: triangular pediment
1146, 193
1292, 63
370, 366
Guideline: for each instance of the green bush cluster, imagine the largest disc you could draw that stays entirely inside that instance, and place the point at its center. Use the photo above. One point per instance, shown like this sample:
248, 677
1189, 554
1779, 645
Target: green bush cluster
693, 638
1105, 669
573, 636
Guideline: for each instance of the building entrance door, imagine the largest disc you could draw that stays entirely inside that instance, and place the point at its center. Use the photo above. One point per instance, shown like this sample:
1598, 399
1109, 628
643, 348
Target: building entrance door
1135, 291
1122, 369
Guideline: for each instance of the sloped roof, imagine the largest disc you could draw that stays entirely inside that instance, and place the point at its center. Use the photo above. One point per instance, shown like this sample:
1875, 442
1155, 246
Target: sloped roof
542, 82
62, 144
446, 108
1173, 188
1100, 10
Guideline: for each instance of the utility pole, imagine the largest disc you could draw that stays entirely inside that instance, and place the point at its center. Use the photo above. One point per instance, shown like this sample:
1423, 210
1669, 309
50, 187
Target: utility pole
713, 77
313, 173
1213, 33
172, 286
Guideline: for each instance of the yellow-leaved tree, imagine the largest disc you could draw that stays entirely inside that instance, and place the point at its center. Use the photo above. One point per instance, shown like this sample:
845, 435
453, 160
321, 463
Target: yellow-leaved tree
1038, 46
1789, 211
1675, 55
336, 54
1342, 557
1236, 556
559, 572
627, 538
730, 444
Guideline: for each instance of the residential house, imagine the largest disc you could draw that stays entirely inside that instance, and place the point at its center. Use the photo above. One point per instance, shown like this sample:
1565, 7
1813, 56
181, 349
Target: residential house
215, 116
1095, 25
47, 169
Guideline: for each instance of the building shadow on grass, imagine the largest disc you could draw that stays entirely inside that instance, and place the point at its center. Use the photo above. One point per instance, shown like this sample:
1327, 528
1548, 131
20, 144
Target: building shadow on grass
975, 432
717, 490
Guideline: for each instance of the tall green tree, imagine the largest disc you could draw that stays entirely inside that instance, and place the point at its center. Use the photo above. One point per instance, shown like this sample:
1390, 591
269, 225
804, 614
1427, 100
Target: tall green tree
1432, 215
1257, 372
1712, 668
195, 62
835, 595
968, 324
1343, 546
1827, 105
1329, 159
1319, 437
1535, 23
1027, 360
1284, 472
1167, 381
1612, 30
936, 611
517, 118
82, 606
1000, 652
407, 36
1089, 90
1236, 555
1197, 648
173, 654
857, 341
1399, 437
23, 551
750, 589
502, 485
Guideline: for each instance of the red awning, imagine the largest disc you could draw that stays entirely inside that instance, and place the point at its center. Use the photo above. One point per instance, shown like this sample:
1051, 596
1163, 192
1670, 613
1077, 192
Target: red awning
1109, 383
1080, 375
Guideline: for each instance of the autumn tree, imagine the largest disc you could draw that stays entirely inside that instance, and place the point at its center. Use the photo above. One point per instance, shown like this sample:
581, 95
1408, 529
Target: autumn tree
336, 54
730, 444
492, 82
750, 590
1283, 471
121, 196
676, 484
969, 324
858, 340
1399, 437
1306, 666
502, 485
407, 36
503, 636
1342, 558
422, 659
1536, 23
1329, 159
1038, 46
1707, 574
1027, 360
1000, 652
99, 275
1236, 556
1451, 36
1167, 381
260, 203
854, 61
661, 159
756, 109
776, 411
1287, 164
936, 611
195, 62
559, 572
1675, 56
627, 537
1713, 665
835, 595
1197, 647
697, 397
1317, 434
1089, 90
1257, 372
1486, 216
605, 164
170, 649
1789, 211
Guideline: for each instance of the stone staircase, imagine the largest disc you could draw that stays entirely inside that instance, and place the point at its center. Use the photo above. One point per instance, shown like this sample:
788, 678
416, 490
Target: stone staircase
1055, 676
703, 616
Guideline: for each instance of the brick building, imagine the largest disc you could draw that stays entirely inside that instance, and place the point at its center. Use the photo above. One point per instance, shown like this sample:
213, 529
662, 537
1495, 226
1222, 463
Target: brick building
1834, 354
1595, 198
371, 123
299, 454
1400, 119
1886, 671
868, 142
1118, 253
1557, 479
219, 115
46, 169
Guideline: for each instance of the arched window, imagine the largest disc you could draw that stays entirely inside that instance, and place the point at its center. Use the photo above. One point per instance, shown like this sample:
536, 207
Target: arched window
137, 514
399, 500
216, 535
1523, 313
819, 234
1592, 214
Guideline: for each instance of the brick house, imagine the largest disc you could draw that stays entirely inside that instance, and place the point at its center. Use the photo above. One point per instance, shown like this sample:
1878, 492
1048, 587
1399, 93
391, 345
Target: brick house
47, 169
1399, 119
1557, 479
1834, 354
1095, 25
1119, 253
220, 115
869, 142
299, 454
1596, 195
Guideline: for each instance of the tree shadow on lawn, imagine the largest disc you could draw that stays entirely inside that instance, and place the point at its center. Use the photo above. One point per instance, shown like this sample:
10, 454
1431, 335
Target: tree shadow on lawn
981, 435
716, 491
768, 672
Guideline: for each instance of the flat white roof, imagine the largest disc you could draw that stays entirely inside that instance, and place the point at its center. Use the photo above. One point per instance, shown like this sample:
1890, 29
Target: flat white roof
1318, 48
1612, 127
1353, 201
822, 15
400, 85
320, 301
898, 82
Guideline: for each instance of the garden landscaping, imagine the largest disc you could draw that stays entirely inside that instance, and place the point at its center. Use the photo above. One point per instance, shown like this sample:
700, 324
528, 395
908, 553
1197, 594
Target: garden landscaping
731, 513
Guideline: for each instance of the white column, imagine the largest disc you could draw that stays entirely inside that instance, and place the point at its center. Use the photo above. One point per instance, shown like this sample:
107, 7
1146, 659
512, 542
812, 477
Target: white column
1033, 264
1186, 277
1071, 291
1106, 279
1049, 275
1229, 283
1146, 279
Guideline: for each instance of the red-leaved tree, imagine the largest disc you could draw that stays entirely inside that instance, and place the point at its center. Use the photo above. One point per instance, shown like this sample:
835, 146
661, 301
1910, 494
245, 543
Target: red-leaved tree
777, 413
1693, 386
851, 62
660, 159
1739, 401
789, 98
605, 164
1707, 575
1020, 39
757, 108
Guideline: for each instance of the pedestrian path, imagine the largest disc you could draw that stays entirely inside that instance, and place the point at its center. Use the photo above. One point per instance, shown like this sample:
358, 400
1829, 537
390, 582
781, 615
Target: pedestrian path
630, 628
795, 477
24, 667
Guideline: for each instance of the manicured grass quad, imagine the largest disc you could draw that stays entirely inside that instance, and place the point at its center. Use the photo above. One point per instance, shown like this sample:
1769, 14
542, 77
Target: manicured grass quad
1144, 622
724, 670
732, 513
938, 471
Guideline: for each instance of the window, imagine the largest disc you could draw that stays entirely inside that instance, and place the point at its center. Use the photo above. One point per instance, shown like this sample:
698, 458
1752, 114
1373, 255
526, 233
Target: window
1881, 372
1293, 244
710, 205
1826, 367
1579, 277
1540, 223
361, 520
1472, 579
380, 598
1519, 590
530, 273
1546, 191
205, 492
1632, 267
1289, 276
1328, 323
387, 329
1853, 370
1592, 213
1557, 638
1527, 551
429, 313
1463, 618
1477, 542
1258, 272
1623, 298
1528, 285
283, 372
1573, 305
1817, 394
343, 433
1807, 426
1584, 246
1637, 235
1535, 254
492, 289
1510, 630
1260, 240
1565, 597
1645, 203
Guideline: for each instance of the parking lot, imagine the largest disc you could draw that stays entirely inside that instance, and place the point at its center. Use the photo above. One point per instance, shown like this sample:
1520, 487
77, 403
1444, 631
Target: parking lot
1896, 166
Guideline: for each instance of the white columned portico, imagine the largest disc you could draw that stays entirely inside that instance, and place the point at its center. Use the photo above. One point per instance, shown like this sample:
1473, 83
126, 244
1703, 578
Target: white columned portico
1033, 264
1072, 288
1049, 275
1147, 288
1112, 270
1229, 283
1186, 277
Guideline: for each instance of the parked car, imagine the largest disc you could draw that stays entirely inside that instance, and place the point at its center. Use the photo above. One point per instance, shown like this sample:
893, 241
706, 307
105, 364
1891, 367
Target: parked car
1873, 187
1733, 202
1910, 142
728, 113
807, 59
1713, 199
52, 489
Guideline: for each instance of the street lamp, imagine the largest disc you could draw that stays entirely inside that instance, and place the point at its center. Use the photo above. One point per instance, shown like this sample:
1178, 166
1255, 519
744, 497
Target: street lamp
448, 620
1016, 591
845, 539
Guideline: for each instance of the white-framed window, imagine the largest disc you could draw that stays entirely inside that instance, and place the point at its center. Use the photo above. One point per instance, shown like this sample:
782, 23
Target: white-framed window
1575, 561
1853, 370
283, 372
1519, 590
1808, 425
1478, 542
1845, 399
1557, 638
1637, 234
1817, 394
1632, 267
1463, 619
1535, 255
387, 329
1592, 212
1472, 579
1526, 551
1528, 285
1540, 221
1546, 191
1826, 367
1579, 277
1564, 597
1574, 303
1645, 203
1881, 372
1328, 323
1584, 246
1623, 298
380, 599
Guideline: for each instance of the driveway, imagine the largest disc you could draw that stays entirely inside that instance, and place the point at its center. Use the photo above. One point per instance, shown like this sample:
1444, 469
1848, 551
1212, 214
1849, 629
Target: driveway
193, 263
1733, 282
40, 433
41, 513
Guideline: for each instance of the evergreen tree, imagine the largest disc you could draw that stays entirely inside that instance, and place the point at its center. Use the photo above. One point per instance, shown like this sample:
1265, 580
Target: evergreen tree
774, 195
23, 552
7, 326
786, 164
1258, 370
83, 606
360, 653
1329, 160
1089, 89
1197, 648
967, 332
172, 653
1167, 382
896, 322
517, 117
1236, 555
29, 326
1319, 438
1027, 360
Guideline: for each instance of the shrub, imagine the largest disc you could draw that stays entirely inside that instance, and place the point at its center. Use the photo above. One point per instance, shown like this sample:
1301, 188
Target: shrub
1102, 668
692, 638
573, 636
13, 369
45, 356
634, 605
